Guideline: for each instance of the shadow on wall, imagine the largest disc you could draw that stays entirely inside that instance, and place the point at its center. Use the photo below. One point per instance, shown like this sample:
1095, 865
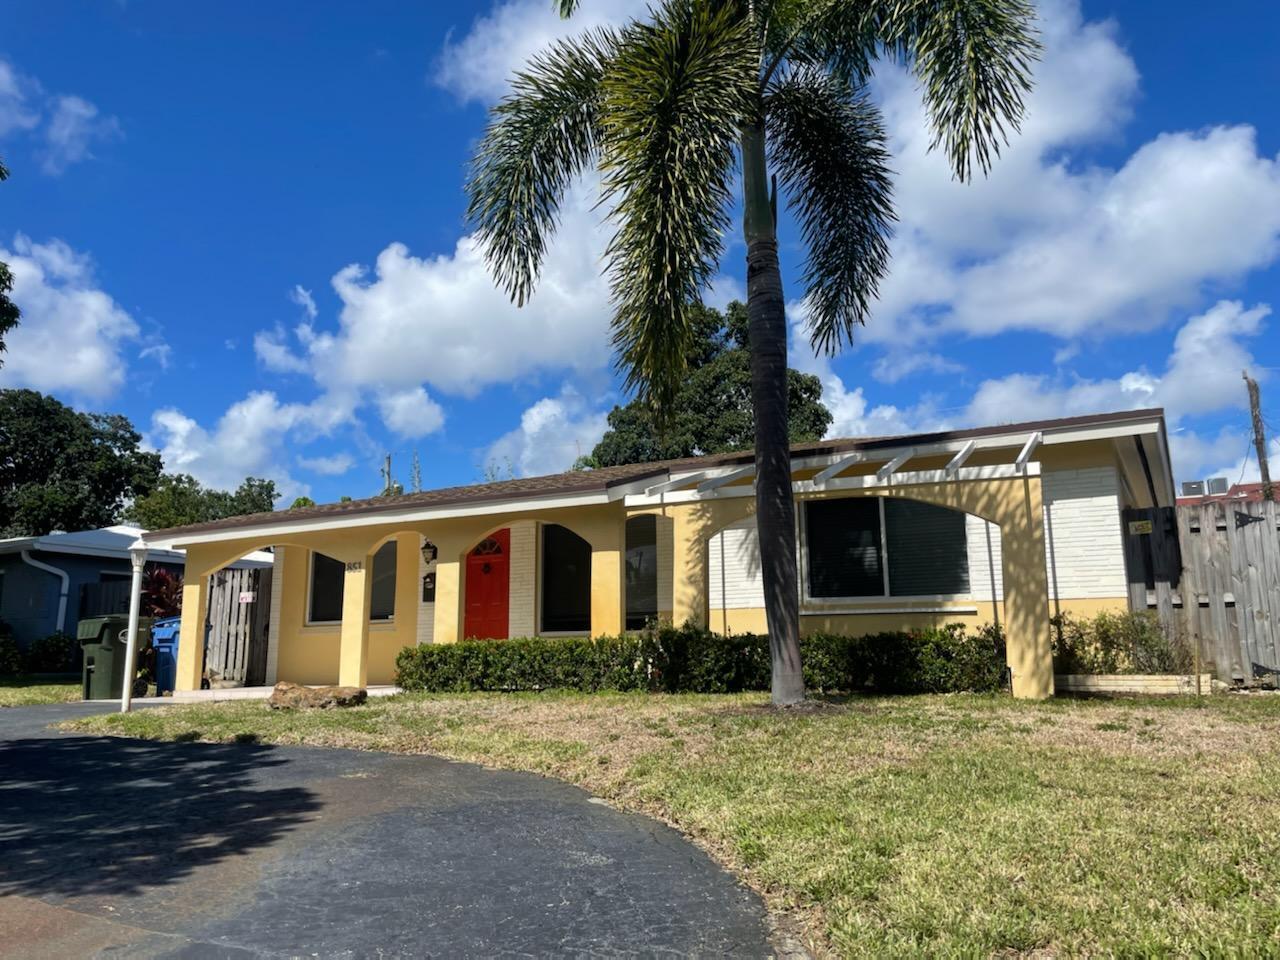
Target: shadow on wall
88, 815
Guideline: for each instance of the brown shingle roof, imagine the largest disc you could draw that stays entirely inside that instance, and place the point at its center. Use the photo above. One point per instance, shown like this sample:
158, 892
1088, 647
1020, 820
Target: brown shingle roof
601, 480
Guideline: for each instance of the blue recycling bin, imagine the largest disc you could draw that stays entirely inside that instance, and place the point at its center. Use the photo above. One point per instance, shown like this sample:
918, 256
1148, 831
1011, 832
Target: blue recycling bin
164, 639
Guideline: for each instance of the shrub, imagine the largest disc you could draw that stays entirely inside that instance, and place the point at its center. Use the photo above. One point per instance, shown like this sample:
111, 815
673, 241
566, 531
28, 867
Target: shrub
56, 653
1116, 643
693, 660
10, 655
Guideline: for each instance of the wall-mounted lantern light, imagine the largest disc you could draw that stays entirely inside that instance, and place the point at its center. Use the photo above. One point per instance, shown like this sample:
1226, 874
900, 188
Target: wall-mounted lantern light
429, 552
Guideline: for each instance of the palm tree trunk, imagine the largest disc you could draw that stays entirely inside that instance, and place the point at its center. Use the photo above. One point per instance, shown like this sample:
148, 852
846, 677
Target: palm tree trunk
775, 509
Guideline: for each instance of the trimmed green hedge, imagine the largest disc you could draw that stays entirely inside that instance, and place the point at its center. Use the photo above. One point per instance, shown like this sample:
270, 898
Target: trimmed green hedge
690, 660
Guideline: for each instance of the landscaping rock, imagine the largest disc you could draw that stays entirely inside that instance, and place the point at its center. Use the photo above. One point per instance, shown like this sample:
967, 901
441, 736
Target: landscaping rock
294, 696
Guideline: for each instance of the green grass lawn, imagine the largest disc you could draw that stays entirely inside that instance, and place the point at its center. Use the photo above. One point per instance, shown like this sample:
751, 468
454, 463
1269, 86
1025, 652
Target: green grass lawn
29, 691
947, 825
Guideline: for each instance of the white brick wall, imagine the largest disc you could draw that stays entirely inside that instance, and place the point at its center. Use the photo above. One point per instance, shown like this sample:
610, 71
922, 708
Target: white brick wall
1084, 550
273, 615
426, 626
522, 607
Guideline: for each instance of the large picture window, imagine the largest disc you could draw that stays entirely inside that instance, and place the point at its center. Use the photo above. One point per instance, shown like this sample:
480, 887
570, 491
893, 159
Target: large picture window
884, 547
566, 581
642, 571
328, 577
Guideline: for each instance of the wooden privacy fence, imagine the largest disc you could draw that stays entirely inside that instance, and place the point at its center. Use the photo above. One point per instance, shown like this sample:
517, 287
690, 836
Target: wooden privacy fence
236, 639
1212, 573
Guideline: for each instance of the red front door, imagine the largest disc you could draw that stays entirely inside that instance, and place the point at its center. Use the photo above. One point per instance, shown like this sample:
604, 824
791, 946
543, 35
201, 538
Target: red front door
488, 582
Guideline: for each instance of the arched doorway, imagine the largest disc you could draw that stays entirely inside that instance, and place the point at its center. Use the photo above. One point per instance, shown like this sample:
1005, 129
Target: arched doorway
488, 587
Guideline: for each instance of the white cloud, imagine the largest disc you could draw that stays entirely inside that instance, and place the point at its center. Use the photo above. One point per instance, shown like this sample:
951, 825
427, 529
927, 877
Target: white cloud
159, 351
410, 413
72, 333
442, 321
480, 64
252, 438
1046, 243
16, 91
1201, 375
302, 297
330, 466
897, 364
67, 126
274, 353
73, 126
552, 434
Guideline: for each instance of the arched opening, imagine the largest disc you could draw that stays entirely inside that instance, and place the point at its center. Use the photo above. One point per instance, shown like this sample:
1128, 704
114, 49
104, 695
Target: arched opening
326, 586
641, 571
566, 581
488, 588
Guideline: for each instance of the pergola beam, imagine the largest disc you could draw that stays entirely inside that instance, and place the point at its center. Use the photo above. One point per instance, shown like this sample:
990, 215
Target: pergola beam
888, 470
839, 467
668, 485
715, 483
959, 459
1028, 449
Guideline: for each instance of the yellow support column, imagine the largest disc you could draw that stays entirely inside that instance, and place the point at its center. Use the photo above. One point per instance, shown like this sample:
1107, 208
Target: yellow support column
353, 649
607, 584
195, 609
1026, 592
449, 587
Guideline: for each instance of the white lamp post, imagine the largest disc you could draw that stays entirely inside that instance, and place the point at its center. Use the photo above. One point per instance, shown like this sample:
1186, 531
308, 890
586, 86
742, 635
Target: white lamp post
138, 557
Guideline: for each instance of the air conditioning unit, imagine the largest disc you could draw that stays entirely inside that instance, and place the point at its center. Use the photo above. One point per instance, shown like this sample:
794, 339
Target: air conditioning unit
1217, 485
1193, 488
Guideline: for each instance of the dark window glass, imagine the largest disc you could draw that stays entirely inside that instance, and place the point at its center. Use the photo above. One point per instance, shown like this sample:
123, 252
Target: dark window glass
928, 553
326, 588
642, 571
382, 605
327, 578
566, 580
844, 547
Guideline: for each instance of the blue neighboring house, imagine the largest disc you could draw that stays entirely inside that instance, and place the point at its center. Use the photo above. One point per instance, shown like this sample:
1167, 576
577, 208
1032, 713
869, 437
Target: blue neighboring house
50, 583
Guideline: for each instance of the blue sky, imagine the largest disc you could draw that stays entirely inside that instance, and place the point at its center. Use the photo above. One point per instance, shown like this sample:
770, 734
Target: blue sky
242, 226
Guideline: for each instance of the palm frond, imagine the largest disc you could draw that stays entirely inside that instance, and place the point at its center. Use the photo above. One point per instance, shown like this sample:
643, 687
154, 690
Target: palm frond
539, 138
566, 8
828, 144
674, 99
973, 58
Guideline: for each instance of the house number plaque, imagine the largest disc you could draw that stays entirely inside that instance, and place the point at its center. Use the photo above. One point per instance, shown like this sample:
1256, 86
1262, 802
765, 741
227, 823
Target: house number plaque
354, 565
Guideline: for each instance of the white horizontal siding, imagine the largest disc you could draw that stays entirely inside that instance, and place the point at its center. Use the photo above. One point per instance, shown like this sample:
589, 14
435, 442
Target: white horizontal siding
1084, 550
1084, 544
1084, 547
734, 568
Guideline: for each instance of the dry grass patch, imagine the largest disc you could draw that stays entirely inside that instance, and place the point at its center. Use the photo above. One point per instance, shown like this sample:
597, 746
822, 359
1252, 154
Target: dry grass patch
32, 691
949, 825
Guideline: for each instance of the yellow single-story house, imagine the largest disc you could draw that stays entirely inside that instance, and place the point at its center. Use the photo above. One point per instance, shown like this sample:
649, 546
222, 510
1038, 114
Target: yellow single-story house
1012, 523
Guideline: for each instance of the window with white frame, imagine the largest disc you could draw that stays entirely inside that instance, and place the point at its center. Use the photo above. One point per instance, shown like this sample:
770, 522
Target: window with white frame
328, 577
861, 547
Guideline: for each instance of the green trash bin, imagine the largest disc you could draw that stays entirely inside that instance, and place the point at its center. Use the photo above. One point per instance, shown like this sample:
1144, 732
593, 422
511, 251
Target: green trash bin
104, 641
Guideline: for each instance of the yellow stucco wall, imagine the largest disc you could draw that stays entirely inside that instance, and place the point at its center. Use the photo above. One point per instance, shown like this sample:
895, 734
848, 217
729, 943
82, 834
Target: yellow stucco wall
752, 619
359, 652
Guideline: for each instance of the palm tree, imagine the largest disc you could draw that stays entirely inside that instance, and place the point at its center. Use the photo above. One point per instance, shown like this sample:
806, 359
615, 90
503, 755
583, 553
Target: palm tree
669, 109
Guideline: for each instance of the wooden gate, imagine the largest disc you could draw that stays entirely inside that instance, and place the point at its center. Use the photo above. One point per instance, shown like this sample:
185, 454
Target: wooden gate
235, 652
1214, 579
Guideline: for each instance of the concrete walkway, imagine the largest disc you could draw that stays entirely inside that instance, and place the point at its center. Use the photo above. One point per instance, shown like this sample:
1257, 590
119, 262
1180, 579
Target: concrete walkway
127, 848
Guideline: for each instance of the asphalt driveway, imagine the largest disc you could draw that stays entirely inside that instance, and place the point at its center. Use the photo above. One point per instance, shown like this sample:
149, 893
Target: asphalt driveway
125, 848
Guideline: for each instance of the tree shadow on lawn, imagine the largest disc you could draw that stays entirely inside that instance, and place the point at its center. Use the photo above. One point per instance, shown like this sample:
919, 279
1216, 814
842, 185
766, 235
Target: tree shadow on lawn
102, 815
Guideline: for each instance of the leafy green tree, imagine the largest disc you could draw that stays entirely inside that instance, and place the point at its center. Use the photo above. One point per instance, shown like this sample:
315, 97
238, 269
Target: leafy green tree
9, 312
300, 503
711, 410
65, 470
671, 110
179, 499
